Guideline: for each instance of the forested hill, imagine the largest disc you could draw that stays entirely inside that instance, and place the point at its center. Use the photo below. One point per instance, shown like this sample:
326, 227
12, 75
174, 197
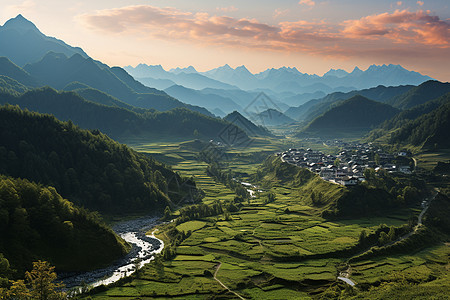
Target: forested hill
245, 124
404, 117
88, 168
353, 116
37, 223
119, 122
420, 94
430, 130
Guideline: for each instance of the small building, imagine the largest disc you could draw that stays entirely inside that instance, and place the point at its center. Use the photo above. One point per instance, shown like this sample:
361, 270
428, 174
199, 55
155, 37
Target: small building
348, 181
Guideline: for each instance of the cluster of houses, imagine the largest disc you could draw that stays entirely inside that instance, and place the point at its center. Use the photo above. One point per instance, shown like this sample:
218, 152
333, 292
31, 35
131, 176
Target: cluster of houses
348, 166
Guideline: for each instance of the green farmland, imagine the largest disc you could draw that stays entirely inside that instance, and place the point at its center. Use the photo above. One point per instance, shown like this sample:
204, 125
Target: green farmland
277, 250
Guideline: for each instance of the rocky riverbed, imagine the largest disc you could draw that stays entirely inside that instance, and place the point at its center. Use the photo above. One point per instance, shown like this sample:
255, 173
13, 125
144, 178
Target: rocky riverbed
144, 248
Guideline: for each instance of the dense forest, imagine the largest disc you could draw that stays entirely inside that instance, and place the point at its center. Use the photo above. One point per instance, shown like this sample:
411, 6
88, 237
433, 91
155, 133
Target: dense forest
37, 223
420, 94
406, 116
353, 115
430, 130
119, 122
88, 168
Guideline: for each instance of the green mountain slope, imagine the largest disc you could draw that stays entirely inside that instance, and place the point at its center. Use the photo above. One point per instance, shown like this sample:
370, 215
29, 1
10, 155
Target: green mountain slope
37, 223
11, 86
97, 96
429, 131
421, 94
119, 122
86, 167
250, 128
353, 116
382, 133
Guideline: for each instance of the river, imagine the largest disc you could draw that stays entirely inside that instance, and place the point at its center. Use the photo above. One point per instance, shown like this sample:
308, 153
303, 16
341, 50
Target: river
143, 250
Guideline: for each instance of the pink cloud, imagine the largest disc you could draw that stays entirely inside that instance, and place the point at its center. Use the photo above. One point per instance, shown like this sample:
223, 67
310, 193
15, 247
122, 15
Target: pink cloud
401, 27
420, 3
307, 2
387, 34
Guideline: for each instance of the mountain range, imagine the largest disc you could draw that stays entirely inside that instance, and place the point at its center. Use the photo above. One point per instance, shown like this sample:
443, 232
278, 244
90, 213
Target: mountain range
281, 80
313, 108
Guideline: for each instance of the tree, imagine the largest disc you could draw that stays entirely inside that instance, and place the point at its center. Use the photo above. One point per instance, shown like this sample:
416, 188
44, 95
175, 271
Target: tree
383, 239
337, 162
362, 237
41, 281
271, 197
377, 159
39, 284
391, 234
18, 290
167, 213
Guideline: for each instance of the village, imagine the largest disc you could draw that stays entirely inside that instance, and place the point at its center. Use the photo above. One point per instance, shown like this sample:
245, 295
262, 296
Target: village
348, 166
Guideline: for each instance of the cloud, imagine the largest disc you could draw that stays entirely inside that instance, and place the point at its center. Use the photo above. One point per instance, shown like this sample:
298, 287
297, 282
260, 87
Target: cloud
399, 3
420, 3
279, 12
387, 34
307, 2
401, 27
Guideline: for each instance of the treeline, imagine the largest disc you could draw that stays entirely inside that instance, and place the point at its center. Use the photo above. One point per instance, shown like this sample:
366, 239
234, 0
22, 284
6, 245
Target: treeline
86, 167
37, 223
227, 178
215, 157
119, 120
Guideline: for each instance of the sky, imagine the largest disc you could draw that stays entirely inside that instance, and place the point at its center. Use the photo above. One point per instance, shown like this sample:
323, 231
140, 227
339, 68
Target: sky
311, 35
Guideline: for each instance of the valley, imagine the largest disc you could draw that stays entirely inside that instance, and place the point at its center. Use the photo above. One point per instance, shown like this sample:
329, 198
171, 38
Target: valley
278, 249
223, 183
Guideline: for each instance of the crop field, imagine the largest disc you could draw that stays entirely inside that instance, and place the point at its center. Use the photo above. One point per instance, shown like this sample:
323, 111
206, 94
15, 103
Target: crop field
277, 250
428, 161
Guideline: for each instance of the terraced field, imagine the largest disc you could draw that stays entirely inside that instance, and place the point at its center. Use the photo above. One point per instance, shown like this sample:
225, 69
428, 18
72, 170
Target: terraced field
279, 250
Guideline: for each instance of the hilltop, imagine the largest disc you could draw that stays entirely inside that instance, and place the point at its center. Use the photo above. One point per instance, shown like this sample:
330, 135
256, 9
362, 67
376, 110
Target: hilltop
245, 124
354, 116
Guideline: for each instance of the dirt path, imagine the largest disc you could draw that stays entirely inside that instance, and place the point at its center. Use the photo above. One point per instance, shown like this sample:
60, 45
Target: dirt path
223, 285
